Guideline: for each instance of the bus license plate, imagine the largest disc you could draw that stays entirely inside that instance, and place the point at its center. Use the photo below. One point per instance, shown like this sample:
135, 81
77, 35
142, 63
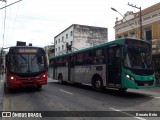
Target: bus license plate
146, 84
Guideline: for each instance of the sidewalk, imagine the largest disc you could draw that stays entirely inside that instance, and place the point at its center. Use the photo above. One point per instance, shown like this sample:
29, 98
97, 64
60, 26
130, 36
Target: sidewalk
52, 80
2, 78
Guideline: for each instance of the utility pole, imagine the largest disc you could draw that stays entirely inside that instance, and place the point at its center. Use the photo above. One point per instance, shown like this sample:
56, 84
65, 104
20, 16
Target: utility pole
1, 58
140, 18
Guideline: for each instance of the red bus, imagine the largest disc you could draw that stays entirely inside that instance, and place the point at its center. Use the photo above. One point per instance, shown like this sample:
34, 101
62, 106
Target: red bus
26, 66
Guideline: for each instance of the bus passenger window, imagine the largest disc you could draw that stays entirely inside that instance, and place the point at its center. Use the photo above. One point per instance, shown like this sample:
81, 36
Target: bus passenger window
72, 61
98, 56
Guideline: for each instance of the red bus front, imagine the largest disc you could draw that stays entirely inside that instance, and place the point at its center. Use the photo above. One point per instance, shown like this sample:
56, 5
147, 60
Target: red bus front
26, 67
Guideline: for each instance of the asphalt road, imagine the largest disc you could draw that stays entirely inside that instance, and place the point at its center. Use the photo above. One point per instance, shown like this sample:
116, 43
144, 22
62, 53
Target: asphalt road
57, 97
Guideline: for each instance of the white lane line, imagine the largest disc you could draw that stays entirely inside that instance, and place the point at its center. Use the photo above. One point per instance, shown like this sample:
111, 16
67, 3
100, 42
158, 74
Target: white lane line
127, 114
157, 97
66, 92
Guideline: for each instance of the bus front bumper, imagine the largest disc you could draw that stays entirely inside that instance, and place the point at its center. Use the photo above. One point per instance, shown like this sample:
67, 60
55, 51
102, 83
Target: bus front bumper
26, 83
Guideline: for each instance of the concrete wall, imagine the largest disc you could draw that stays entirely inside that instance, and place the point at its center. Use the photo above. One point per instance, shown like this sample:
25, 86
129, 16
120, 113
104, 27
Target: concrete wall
86, 36
82, 37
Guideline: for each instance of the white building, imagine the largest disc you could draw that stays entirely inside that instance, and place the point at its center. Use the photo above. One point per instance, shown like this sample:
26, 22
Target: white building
79, 37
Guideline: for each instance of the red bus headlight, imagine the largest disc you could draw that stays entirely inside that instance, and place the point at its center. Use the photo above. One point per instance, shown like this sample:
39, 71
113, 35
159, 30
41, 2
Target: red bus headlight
44, 76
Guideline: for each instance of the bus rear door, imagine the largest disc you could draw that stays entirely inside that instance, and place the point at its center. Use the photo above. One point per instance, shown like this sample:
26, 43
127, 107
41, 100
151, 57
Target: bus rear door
71, 61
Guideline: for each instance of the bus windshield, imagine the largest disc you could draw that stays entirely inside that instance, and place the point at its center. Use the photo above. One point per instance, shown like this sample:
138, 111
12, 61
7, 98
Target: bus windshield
139, 57
27, 63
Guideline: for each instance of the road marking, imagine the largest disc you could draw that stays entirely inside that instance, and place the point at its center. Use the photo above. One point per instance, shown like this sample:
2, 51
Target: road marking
66, 92
154, 97
127, 114
157, 97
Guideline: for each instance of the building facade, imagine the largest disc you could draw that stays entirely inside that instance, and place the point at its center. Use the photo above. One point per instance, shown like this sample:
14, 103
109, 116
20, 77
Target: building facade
129, 26
77, 37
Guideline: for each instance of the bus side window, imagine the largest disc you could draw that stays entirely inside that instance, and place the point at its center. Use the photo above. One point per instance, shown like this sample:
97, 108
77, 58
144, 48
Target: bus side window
55, 63
51, 63
98, 56
72, 61
64, 61
87, 58
79, 59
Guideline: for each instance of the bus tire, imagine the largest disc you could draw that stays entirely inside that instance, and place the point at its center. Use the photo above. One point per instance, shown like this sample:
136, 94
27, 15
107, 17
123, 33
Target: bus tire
122, 90
97, 83
60, 79
7, 89
39, 87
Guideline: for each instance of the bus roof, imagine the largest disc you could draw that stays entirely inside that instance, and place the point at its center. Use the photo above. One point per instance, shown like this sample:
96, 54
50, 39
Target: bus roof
118, 41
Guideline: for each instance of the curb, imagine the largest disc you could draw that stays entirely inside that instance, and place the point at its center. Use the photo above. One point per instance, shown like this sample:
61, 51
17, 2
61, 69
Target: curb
1, 92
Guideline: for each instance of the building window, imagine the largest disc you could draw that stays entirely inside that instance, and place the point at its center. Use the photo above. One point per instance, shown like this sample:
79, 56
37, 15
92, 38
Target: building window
148, 33
132, 34
62, 47
71, 43
58, 48
59, 40
71, 33
125, 35
62, 38
66, 36
56, 41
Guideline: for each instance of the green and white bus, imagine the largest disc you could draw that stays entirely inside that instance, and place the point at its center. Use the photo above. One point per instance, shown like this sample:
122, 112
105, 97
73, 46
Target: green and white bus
121, 64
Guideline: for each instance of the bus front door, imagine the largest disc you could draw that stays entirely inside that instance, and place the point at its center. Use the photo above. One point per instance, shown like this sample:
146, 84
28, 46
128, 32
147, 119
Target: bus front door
71, 68
114, 66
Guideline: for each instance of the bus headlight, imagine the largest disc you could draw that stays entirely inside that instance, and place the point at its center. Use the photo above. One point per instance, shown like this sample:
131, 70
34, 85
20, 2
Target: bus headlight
129, 77
44, 76
12, 78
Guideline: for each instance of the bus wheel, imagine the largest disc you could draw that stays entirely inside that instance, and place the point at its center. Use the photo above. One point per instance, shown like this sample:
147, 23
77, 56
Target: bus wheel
7, 89
39, 87
97, 84
122, 90
60, 79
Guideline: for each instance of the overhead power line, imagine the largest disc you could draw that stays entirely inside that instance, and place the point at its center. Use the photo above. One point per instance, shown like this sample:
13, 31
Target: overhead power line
4, 25
10, 4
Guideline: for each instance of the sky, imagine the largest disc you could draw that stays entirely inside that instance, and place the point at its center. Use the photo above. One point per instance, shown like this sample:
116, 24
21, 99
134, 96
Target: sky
39, 21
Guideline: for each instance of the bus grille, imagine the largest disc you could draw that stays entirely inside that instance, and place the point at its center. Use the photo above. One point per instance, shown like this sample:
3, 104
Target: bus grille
28, 83
144, 83
29, 79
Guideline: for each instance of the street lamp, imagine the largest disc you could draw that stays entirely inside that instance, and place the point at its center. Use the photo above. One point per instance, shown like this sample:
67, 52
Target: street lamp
123, 17
117, 11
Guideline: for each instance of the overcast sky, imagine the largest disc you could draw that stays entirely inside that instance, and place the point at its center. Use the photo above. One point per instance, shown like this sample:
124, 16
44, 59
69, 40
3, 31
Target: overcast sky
39, 21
